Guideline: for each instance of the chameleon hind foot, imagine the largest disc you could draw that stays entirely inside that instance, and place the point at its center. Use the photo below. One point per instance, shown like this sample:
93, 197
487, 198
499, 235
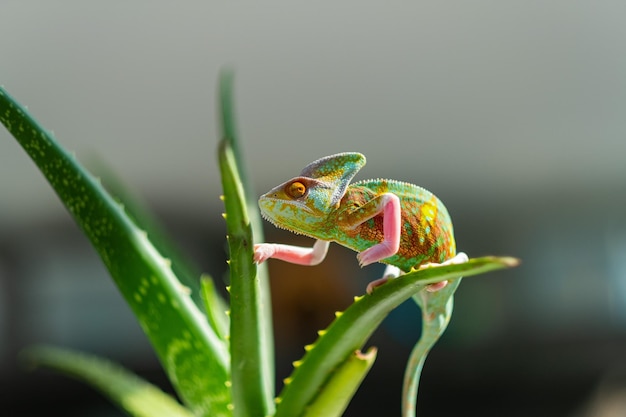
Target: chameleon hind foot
460, 258
392, 272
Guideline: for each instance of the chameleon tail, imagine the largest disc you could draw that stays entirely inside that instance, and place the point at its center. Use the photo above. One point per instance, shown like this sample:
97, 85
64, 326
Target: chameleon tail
436, 312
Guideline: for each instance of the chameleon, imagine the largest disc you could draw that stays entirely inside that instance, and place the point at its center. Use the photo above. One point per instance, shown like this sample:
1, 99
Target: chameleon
396, 223
392, 222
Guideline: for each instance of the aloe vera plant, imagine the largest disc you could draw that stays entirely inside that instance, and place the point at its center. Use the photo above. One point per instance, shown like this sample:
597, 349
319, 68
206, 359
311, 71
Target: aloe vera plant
219, 364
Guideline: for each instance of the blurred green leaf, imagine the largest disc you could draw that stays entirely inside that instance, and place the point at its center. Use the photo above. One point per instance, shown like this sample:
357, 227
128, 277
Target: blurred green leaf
216, 308
185, 270
131, 393
194, 357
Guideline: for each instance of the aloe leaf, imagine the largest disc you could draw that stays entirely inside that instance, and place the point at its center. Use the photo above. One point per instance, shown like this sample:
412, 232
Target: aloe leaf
251, 386
132, 394
184, 269
252, 349
349, 331
339, 390
230, 136
215, 307
194, 357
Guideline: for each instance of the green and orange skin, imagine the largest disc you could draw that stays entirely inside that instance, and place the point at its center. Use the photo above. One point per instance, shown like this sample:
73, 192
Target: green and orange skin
392, 222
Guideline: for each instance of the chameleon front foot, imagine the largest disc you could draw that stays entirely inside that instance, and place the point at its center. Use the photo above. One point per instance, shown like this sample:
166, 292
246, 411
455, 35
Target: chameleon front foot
377, 252
263, 251
293, 254
389, 206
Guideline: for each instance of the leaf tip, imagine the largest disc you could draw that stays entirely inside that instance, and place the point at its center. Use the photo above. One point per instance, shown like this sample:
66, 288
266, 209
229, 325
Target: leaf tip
510, 261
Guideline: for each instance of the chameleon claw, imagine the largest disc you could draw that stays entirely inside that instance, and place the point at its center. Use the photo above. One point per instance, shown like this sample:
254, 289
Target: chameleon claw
360, 260
436, 286
391, 272
263, 251
376, 253
375, 284
381, 281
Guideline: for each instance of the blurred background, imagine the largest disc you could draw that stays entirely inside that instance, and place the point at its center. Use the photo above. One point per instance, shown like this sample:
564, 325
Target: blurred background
513, 114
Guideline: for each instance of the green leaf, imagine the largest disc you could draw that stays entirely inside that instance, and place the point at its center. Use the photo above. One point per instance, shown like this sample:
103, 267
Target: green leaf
184, 269
252, 351
230, 136
251, 386
349, 331
336, 393
132, 394
194, 357
216, 308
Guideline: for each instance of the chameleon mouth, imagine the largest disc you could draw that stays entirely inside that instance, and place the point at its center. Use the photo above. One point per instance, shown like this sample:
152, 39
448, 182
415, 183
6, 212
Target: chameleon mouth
270, 219
267, 207
283, 227
268, 204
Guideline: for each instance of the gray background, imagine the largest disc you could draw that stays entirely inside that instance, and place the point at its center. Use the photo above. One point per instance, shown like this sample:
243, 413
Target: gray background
512, 113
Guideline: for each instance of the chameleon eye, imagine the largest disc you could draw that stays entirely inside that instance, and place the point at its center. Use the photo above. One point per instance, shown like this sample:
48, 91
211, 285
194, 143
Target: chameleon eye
296, 189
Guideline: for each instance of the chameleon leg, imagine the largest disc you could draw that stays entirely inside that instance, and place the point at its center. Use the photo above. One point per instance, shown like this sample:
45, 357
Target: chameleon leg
394, 272
391, 272
293, 254
389, 205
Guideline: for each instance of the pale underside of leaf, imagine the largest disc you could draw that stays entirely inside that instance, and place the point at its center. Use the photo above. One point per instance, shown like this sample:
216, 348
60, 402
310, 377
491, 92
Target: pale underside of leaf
134, 395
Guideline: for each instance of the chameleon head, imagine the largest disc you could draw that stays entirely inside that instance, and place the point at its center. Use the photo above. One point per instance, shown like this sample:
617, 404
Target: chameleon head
303, 204
300, 205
